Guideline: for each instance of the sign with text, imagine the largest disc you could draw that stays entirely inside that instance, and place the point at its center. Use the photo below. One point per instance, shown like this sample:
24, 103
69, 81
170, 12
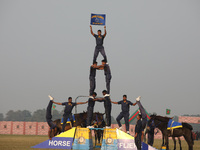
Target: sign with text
98, 19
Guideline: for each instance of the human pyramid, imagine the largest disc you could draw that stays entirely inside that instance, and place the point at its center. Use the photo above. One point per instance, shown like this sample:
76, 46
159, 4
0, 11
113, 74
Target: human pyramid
125, 104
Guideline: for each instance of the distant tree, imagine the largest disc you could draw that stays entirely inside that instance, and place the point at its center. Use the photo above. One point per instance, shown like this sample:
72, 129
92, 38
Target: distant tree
18, 115
1, 117
10, 116
39, 115
26, 115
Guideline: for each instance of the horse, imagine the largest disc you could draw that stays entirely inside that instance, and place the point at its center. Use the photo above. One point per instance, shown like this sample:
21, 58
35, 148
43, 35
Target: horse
98, 123
161, 123
80, 120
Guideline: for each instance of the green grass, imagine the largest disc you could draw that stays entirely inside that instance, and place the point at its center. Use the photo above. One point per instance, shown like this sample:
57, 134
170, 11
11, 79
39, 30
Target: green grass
24, 142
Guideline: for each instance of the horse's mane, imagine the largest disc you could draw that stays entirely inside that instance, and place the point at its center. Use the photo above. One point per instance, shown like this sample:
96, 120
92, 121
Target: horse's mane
161, 118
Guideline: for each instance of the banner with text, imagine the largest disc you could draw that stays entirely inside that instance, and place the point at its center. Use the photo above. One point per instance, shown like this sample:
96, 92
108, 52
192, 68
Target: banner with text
98, 19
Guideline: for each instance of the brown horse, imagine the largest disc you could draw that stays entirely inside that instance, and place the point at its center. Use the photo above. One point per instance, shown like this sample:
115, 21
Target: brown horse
161, 123
80, 120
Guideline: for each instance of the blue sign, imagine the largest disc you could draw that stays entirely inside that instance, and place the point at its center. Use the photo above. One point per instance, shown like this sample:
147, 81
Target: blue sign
98, 19
56, 143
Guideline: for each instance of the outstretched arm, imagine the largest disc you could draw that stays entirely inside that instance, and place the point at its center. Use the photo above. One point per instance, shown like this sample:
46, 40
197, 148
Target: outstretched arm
100, 67
57, 103
98, 99
91, 30
81, 103
113, 102
105, 31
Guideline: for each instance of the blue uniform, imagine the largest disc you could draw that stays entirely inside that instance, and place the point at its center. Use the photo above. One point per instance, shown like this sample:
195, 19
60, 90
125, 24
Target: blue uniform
138, 130
144, 115
99, 47
90, 110
92, 80
67, 113
125, 113
108, 107
49, 116
108, 76
150, 133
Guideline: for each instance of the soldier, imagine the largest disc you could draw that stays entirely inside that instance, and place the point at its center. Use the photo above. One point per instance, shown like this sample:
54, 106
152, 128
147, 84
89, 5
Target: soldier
138, 132
107, 106
125, 105
92, 78
107, 73
150, 128
99, 44
49, 117
68, 111
90, 109
143, 114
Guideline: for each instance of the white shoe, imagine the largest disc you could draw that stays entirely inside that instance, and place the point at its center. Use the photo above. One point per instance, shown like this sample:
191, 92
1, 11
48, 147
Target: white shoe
127, 132
108, 127
50, 97
89, 127
138, 98
120, 128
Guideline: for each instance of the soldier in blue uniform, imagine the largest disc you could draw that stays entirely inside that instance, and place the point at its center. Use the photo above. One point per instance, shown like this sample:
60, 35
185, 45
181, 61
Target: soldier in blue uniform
92, 78
68, 111
143, 114
150, 128
99, 44
107, 73
138, 132
107, 106
90, 109
49, 118
125, 105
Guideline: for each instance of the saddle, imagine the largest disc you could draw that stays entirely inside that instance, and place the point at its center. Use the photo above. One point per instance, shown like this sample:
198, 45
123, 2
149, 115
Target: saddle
68, 120
173, 125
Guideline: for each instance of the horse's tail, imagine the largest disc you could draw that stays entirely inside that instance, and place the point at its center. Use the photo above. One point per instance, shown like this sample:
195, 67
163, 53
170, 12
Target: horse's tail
187, 125
192, 138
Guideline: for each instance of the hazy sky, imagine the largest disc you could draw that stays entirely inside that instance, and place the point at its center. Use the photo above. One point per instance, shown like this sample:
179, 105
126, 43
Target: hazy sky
153, 48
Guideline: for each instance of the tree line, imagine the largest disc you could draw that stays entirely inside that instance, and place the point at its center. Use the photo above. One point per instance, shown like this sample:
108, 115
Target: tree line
40, 114
37, 116
25, 115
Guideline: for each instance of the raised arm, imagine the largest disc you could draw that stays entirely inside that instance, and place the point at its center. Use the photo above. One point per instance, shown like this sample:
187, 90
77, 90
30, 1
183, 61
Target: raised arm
105, 31
91, 30
57, 103
134, 104
81, 103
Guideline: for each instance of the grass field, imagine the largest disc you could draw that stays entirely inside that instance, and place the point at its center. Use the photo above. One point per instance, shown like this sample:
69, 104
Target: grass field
24, 142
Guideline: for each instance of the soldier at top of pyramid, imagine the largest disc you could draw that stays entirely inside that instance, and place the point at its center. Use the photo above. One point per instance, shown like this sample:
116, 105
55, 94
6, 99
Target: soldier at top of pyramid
99, 44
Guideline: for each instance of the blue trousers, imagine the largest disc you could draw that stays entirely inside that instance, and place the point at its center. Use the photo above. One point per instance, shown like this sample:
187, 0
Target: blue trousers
138, 141
108, 114
144, 115
126, 119
49, 116
96, 53
92, 85
150, 138
89, 115
65, 117
108, 79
